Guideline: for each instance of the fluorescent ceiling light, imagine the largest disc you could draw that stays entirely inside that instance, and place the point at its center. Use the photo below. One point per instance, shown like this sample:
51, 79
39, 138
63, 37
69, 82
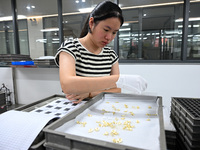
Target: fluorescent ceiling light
190, 19
125, 29
196, 26
125, 24
155, 33
126, 39
189, 26
28, 7
55, 42
55, 39
173, 32
41, 40
89, 9
10, 18
49, 30
124, 35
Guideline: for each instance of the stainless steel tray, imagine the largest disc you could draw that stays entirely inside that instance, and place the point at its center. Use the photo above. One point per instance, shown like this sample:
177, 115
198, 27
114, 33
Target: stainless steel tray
61, 140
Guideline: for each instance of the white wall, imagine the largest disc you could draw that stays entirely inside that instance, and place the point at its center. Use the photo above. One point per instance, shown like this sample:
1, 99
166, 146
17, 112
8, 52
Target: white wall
36, 83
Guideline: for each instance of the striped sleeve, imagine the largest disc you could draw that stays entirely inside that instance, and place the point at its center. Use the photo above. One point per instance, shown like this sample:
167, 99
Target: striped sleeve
68, 47
114, 56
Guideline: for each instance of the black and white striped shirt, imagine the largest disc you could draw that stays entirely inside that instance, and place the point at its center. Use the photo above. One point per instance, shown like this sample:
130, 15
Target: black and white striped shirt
87, 63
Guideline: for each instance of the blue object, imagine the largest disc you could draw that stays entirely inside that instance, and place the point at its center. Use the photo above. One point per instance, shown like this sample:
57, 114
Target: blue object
24, 63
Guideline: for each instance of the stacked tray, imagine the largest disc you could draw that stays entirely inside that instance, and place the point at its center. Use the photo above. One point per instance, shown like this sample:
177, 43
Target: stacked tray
171, 139
185, 113
44, 62
110, 122
7, 59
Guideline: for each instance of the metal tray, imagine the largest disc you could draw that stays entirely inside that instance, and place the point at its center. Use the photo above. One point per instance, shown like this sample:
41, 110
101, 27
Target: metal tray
62, 141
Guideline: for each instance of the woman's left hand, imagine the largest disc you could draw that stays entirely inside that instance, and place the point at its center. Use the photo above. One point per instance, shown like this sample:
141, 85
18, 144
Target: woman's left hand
79, 97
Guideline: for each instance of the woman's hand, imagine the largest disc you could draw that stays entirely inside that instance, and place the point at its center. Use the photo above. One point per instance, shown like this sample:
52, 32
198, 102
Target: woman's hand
134, 83
76, 97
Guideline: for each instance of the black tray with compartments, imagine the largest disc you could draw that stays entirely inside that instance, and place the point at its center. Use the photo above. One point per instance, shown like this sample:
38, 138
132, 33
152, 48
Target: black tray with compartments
185, 113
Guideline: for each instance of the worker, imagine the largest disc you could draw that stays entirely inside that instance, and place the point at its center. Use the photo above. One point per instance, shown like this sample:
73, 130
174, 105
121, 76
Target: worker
86, 66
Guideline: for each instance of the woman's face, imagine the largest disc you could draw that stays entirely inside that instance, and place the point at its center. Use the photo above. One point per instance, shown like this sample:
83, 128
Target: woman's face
105, 31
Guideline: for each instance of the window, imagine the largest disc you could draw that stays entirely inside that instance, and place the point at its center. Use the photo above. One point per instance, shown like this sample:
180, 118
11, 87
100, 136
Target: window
23, 37
129, 36
38, 32
193, 50
73, 25
50, 35
150, 32
6, 29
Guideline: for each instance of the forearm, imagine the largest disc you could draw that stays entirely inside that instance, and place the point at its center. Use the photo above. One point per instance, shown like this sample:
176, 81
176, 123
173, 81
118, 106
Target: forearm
113, 90
79, 85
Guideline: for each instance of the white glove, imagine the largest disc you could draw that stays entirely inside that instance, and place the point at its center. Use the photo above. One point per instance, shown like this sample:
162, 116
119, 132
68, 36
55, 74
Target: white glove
134, 83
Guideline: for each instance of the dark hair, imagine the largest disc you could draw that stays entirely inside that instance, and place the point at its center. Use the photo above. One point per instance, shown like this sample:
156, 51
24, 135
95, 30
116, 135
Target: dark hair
102, 11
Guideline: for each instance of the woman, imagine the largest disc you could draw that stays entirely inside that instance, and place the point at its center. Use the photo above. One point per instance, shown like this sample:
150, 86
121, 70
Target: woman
87, 66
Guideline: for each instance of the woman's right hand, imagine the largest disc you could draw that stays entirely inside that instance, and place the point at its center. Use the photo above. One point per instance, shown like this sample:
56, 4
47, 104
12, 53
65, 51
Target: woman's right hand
133, 83
77, 98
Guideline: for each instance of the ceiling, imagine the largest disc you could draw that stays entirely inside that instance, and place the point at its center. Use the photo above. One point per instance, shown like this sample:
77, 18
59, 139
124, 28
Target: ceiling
49, 7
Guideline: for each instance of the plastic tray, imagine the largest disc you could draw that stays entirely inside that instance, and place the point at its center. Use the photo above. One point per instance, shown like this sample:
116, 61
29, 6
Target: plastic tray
62, 141
44, 62
171, 139
184, 144
23, 63
188, 107
185, 113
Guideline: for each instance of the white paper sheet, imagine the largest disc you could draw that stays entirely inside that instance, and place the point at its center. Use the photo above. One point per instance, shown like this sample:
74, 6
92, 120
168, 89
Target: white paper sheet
19, 129
145, 133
